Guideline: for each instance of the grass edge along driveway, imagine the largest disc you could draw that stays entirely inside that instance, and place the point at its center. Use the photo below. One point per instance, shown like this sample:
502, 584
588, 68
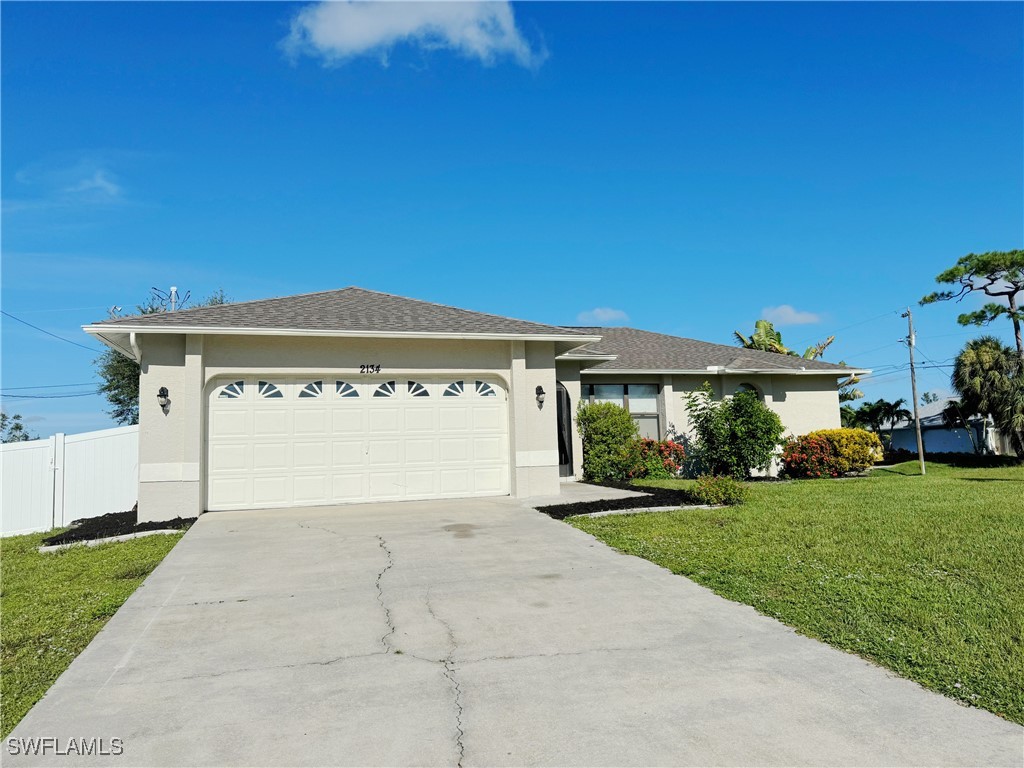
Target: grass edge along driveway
918, 574
52, 605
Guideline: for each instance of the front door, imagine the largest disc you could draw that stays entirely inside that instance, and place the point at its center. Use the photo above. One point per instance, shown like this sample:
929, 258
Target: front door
564, 433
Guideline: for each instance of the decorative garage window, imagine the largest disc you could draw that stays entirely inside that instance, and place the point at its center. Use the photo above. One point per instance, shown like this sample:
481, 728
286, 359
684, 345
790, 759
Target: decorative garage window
233, 390
455, 389
345, 389
485, 390
313, 389
417, 390
387, 389
268, 390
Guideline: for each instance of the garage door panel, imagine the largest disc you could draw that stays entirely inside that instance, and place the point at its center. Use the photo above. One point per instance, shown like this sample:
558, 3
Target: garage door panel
347, 418
383, 419
453, 449
229, 423
229, 456
488, 480
347, 454
453, 419
271, 451
489, 449
420, 451
419, 419
311, 455
269, 456
455, 481
271, 489
488, 419
349, 487
385, 485
420, 483
270, 423
231, 492
310, 421
309, 489
384, 452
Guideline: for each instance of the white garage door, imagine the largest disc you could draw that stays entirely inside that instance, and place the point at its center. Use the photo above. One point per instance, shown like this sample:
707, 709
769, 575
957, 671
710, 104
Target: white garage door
276, 442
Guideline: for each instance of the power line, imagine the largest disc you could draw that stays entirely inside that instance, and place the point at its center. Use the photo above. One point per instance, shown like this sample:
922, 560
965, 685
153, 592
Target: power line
50, 386
54, 335
49, 397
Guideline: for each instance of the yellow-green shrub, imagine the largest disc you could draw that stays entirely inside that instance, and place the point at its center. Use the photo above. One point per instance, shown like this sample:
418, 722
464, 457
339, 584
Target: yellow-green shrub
853, 450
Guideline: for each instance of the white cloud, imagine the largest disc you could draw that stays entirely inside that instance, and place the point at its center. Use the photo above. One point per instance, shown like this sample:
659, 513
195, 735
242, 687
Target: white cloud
339, 30
787, 315
602, 316
97, 185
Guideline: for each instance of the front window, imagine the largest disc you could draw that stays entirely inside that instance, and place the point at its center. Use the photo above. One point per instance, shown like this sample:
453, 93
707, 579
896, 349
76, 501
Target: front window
641, 400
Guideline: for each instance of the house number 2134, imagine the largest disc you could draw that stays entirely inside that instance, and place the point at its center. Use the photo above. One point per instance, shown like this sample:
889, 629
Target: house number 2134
369, 368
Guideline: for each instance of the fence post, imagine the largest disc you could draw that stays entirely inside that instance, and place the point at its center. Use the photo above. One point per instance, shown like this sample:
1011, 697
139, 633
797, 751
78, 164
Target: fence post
57, 467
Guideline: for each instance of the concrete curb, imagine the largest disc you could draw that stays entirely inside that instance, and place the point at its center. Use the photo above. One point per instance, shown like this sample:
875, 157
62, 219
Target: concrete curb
97, 542
641, 510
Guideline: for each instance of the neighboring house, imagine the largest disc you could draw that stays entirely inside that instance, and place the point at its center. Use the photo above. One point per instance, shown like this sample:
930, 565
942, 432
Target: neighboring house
981, 436
353, 395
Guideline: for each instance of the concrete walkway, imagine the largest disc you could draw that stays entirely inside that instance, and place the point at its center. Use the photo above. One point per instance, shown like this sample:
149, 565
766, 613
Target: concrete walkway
472, 632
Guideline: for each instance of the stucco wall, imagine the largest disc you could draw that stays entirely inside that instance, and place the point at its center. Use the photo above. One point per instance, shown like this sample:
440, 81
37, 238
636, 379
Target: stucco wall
171, 445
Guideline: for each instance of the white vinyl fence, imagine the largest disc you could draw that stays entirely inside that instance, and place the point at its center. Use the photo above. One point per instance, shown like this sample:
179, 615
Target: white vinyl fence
48, 483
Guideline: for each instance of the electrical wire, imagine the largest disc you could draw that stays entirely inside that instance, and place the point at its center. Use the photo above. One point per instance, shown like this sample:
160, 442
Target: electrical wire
50, 386
54, 335
50, 397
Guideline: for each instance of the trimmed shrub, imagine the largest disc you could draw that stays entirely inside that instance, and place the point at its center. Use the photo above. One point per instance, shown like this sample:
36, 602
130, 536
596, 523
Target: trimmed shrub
659, 458
611, 442
716, 491
831, 453
733, 436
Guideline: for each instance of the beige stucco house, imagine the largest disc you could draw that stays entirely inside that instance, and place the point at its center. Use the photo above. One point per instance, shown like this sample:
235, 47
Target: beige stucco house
353, 395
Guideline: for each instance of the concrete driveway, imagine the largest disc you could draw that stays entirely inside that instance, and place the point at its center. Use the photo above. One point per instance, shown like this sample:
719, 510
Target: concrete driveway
474, 633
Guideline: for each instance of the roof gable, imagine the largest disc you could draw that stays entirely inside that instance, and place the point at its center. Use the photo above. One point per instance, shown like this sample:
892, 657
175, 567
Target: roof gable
354, 310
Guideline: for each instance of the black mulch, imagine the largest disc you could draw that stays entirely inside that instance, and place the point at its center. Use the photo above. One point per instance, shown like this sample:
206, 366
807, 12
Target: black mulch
654, 497
114, 524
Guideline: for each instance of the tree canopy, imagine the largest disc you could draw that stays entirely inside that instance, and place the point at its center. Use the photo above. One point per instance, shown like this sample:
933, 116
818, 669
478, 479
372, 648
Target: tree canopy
120, 374
998, 274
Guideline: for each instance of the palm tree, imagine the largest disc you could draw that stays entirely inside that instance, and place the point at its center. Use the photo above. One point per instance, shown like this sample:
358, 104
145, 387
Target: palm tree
893, 413
954, 417
767, 339
989, 377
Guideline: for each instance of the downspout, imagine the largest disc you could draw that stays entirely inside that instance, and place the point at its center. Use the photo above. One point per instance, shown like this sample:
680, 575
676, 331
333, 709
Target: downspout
136, 349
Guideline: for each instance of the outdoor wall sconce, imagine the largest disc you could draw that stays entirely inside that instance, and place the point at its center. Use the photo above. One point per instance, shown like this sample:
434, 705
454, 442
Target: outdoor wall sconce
163, 398
540, 395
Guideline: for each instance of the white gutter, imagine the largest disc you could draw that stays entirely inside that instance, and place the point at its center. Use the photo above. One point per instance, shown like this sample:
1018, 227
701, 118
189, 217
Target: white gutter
595, 358
720, 371
99, 330
136, 349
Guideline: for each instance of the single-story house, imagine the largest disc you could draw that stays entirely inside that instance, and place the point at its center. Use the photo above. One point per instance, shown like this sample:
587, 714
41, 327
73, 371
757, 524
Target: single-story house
979, 436
352, 395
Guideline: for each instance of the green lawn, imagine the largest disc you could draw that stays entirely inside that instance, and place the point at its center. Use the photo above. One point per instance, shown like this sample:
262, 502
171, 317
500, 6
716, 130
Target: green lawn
924, 575
51, 606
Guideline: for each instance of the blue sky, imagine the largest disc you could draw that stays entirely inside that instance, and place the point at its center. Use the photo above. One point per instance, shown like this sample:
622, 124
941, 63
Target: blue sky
685, 168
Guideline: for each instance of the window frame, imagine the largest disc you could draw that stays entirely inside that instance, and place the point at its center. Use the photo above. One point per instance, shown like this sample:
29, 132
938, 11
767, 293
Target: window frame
587, 396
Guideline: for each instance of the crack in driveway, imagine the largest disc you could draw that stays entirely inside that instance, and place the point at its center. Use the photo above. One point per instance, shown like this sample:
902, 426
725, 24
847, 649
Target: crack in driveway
385, 639
449, 672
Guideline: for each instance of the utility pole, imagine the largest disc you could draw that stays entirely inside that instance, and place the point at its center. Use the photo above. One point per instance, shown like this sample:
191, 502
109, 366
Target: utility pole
911, 339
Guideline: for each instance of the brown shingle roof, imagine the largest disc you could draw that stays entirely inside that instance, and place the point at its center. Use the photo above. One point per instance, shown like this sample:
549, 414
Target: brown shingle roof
647, 351
348, 309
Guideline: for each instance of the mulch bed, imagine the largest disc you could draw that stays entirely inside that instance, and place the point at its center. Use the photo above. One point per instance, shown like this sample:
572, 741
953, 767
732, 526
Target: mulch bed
653, 497
114, 524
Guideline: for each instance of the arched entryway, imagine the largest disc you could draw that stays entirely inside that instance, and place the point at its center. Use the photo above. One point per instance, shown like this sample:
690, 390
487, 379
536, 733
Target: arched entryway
564, 432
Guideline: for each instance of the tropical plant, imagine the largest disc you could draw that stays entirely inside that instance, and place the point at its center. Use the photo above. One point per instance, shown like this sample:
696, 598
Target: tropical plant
659, 459
12, 430
998, 274
718, 491
877, 415
767, 339
989, 378
734, 436
831, 453
955, 417
611, 442
120, 374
